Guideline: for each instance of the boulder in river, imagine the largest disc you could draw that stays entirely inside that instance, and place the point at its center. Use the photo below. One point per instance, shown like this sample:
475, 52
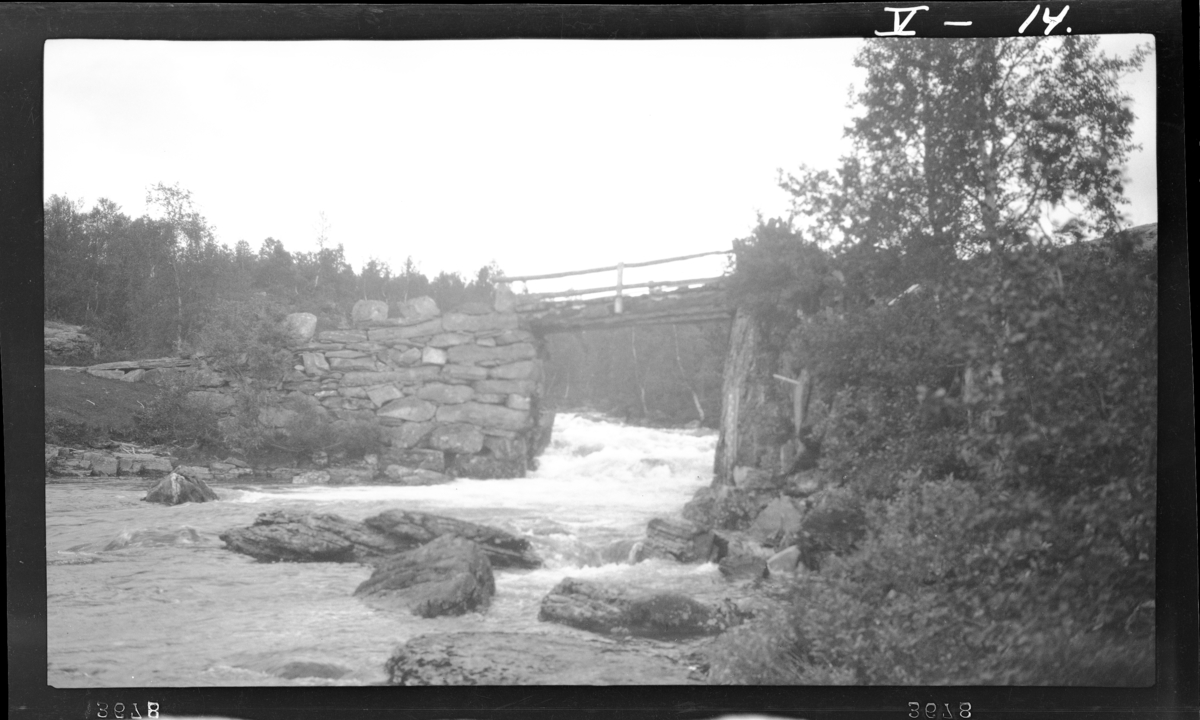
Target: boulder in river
680, 540
500, 658
614, 610
176, 489
448, 576
324, 537
417, 528
311, 537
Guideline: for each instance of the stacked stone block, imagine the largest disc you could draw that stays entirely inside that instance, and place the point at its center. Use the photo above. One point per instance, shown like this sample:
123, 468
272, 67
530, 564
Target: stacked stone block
454, 392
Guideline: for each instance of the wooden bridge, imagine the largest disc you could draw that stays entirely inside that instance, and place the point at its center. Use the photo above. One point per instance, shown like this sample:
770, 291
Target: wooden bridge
662, 302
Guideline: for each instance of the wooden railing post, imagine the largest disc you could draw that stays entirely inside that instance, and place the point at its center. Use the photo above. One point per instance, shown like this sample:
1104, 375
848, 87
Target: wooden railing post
617, 305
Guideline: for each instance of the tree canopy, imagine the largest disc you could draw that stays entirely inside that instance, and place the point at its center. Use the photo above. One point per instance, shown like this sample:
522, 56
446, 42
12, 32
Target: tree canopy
962, 145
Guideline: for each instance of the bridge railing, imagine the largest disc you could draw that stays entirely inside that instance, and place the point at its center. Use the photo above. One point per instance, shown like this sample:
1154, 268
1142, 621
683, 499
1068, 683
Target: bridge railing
619, 289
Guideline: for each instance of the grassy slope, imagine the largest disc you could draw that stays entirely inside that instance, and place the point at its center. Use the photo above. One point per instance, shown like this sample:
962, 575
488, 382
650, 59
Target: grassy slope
107, 406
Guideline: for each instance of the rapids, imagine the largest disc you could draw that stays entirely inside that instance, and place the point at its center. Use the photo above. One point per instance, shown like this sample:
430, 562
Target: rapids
146, 595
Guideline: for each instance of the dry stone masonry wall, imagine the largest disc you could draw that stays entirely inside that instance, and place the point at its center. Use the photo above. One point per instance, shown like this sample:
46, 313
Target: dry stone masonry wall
455, 392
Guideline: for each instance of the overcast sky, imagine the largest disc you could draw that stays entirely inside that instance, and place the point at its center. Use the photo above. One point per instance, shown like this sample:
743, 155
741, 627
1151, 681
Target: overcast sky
541, 155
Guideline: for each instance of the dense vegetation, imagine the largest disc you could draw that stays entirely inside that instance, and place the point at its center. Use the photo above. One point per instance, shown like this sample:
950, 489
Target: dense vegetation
986, 389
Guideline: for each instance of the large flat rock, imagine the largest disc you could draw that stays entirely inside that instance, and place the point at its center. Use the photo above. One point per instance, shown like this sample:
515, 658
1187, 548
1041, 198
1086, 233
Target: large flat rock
617, 610
324, 537
499, 658
311, 537
503, 549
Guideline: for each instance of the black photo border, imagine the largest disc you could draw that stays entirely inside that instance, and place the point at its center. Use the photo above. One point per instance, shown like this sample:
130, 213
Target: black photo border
25, 26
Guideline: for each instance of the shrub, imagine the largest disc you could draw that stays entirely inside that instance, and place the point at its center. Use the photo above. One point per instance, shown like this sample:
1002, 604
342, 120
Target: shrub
246, 338
173, 418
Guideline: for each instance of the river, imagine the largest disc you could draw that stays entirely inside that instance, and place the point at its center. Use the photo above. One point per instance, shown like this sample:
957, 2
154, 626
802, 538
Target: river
146, 595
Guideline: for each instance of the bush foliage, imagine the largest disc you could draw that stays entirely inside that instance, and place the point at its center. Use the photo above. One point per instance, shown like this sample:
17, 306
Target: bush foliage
998, 427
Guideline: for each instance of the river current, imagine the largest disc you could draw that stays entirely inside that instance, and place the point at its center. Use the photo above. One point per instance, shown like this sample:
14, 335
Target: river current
146, 595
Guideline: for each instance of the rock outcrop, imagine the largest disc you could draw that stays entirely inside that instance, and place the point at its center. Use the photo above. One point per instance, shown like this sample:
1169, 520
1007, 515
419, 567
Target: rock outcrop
448, 576
503, 549
681, 541
620, 611
310, 537
175, 489
322, 537
61, 341
498, 658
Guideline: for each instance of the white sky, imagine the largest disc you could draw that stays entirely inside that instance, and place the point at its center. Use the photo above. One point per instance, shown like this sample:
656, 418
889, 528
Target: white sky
541, 155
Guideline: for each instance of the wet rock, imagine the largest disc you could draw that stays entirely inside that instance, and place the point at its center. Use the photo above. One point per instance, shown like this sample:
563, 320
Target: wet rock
679, 540
311, 537
176, 489
614, 610
417, 528
498, 658
448, 576
621, 551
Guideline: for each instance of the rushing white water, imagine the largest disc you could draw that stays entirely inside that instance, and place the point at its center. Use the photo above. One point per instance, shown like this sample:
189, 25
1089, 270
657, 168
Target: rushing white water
146, 595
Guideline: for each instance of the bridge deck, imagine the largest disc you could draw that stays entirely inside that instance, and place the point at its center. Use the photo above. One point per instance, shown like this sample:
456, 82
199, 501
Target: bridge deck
706, 303
665, 303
